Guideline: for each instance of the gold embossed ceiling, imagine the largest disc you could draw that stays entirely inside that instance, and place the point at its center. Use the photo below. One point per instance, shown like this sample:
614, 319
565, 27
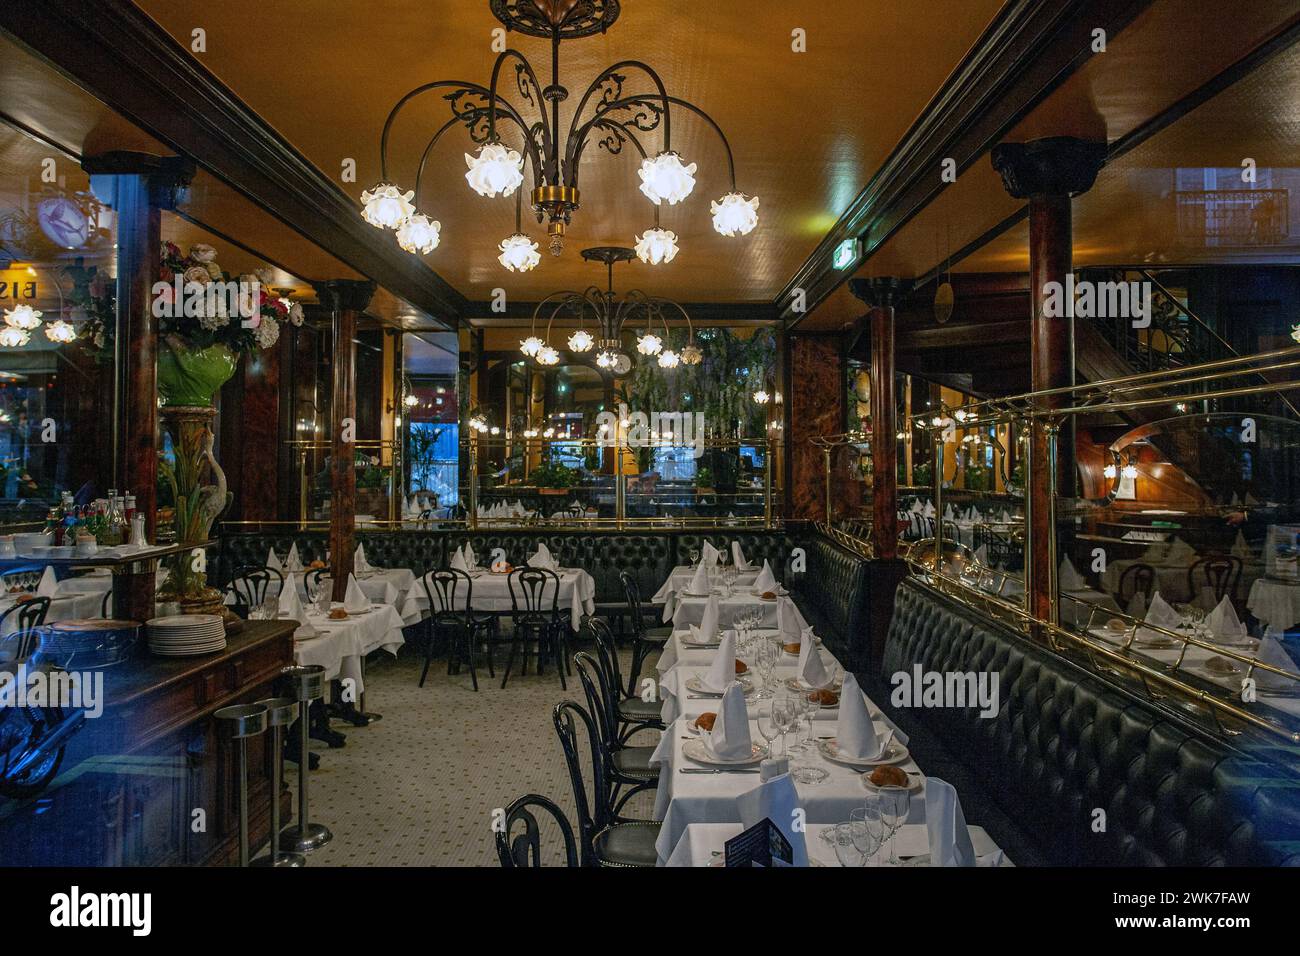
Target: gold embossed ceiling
807, 129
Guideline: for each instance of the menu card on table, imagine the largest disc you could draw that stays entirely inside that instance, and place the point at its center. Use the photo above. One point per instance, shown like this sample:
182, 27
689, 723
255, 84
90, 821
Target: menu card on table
763, 844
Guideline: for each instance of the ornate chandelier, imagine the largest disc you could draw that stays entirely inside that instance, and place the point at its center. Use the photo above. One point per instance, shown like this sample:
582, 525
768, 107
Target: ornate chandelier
605, 114
611, 313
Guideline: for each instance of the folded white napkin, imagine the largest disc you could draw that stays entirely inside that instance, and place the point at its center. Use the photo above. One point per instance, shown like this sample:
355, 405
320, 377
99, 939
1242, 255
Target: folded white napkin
1223, 620
1161, 614
709, 555
542, 558
928, 511
458, 562
811, 668
700, 581
856, 733
1250, 500
471, 558
1137, 605
722, 672
1240, 549
950, 843
293, 562
1069, 579
916, 508
1272, 652
273, 561
291, 608
1006, 516
708, 628
775, 799
391, 594
729, 738
355, 600
519, 511
766, 580
359, 562
948, 514
982, 555
788, 620
49, 583
738, 558
1180, 552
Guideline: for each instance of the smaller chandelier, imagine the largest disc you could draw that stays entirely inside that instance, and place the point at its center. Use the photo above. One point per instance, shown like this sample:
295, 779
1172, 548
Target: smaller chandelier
581, 341
386, 206
548, 356
656, 245
518, 253
12, 338
668, 359
496, 170
419, 235
649, 344
531, 346
691, 354
61, 332
664, 178
761, 397
734, 214
22, 317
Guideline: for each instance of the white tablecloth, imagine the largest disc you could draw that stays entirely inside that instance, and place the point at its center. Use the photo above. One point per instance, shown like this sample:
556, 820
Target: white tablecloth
65, 605
381, 586
491, 592
680, 578
1079, 608
701, 841
342, 644
1276, 603
690, 610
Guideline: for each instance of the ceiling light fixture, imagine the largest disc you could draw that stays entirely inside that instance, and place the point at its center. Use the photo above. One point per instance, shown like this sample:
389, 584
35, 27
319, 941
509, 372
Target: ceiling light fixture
23, 317
61, 332
606, 115
12, 338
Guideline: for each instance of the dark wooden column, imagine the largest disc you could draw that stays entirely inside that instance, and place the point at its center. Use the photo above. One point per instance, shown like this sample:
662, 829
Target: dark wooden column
880, 294
1047, 172
142, 185
346, 299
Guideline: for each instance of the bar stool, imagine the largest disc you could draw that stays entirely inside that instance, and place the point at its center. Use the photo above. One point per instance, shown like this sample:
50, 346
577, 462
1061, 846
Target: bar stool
280, 712
243, 721
307, 682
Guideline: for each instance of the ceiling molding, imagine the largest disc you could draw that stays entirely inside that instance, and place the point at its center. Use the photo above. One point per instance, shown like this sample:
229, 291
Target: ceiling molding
1027, 52
117, 53
702, 314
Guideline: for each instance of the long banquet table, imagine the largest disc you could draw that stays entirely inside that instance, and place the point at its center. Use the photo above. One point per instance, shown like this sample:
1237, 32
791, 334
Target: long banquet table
702, 844
491, 592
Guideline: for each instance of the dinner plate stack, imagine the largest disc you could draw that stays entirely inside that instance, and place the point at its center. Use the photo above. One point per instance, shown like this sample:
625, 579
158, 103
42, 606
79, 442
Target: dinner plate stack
186, 635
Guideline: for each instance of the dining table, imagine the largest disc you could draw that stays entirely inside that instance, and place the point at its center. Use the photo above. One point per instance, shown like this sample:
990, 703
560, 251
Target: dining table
380, 585
679, 579
490, 591
688, 609
340, 646
1275, 602
704, 844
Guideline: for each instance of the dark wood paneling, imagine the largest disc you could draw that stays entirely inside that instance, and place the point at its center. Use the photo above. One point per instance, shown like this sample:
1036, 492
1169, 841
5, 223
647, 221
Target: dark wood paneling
816, 401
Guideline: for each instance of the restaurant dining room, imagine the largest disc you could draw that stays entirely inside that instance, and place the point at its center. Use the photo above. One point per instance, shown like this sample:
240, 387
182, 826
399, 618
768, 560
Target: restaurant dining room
643, 433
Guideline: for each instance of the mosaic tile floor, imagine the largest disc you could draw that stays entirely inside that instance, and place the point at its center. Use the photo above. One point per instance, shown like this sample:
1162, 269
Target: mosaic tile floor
418, 788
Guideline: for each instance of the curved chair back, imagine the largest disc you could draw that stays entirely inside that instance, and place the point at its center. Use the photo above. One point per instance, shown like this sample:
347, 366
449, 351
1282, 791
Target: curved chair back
607, 655
525, 849
632, 592
530, 589
1219, 571
444, 589
594, 813
599, 699
311, 580
29, 614
251, 583
19, 646
106, 605
1136, 577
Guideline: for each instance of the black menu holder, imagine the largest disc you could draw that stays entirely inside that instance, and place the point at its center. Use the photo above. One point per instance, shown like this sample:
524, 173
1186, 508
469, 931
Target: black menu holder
763, 844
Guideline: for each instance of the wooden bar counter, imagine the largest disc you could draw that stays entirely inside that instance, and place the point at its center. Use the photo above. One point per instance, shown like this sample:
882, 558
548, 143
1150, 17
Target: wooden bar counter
151, 781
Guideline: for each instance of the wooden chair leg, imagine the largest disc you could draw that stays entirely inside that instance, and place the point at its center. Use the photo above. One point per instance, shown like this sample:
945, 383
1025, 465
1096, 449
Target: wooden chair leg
473, 669
428, 658
514, 645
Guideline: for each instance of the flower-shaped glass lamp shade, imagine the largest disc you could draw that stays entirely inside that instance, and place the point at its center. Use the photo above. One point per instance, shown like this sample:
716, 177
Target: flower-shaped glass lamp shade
665, 179
668, 359
734, 215
419, 235
581, 341
494, 170
61, 332
692, 355
656, 245
531, 346
12, 338
22, 317
761, 397
387, 207
548, 356
649, 344
518, 253
606, 359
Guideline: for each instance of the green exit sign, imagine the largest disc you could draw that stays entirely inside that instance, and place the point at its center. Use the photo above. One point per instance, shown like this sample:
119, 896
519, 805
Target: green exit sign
846, 253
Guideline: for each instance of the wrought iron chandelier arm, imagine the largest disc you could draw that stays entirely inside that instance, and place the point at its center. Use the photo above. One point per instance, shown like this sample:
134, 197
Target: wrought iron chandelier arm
507, 110
493, 99
568, 293
620, 133
690, 327
576, 136
424, 157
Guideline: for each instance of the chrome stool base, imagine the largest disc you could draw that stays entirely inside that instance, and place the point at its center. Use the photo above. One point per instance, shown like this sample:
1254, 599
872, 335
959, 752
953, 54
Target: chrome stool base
303, 839
281, 858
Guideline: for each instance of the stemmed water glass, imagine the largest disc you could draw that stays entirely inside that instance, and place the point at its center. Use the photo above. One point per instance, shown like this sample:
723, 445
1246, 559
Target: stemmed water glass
894, 807
695, 557
767, 728
782, 719
843, 839
868, 830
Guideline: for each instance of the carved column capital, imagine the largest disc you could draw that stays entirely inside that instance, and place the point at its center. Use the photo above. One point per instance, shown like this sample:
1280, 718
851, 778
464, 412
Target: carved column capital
352, 295
1057, 165
168, 177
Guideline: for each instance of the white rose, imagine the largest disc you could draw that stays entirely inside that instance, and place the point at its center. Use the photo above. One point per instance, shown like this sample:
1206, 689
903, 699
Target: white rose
266, 276
296, 315
268, 333
197, 275
214, 270
202, 252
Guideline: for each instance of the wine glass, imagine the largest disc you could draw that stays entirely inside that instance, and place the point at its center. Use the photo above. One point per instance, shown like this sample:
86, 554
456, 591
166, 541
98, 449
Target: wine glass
894, 807
868, 830
695, 556
766, 728
846, 847
782, 719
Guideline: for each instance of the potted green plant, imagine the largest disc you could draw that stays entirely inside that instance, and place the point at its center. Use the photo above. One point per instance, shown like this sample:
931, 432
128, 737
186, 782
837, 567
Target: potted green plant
704, 481
552, 478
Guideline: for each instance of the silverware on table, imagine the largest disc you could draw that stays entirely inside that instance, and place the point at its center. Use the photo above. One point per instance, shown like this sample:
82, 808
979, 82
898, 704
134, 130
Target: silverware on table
719, 770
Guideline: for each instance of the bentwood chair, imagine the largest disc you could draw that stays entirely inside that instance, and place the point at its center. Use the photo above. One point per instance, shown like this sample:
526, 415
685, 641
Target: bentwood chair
106, 605
525, 849
447, 590
19, 646
312, 579
251, 584
1136, 577
535, 614
631, 711
625, 766
602, 840
644, 639
28, 614
1219, 572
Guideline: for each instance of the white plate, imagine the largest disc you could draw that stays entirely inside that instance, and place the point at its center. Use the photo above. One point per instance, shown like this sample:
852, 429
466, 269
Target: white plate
916, 783
688, 641
780, 592
692, 594
798, 683
695, 750
696, 686
896, 753
184, 620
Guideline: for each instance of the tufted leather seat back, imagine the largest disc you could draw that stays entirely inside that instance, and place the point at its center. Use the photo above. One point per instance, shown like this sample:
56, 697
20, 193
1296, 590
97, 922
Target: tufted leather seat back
1064, 744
